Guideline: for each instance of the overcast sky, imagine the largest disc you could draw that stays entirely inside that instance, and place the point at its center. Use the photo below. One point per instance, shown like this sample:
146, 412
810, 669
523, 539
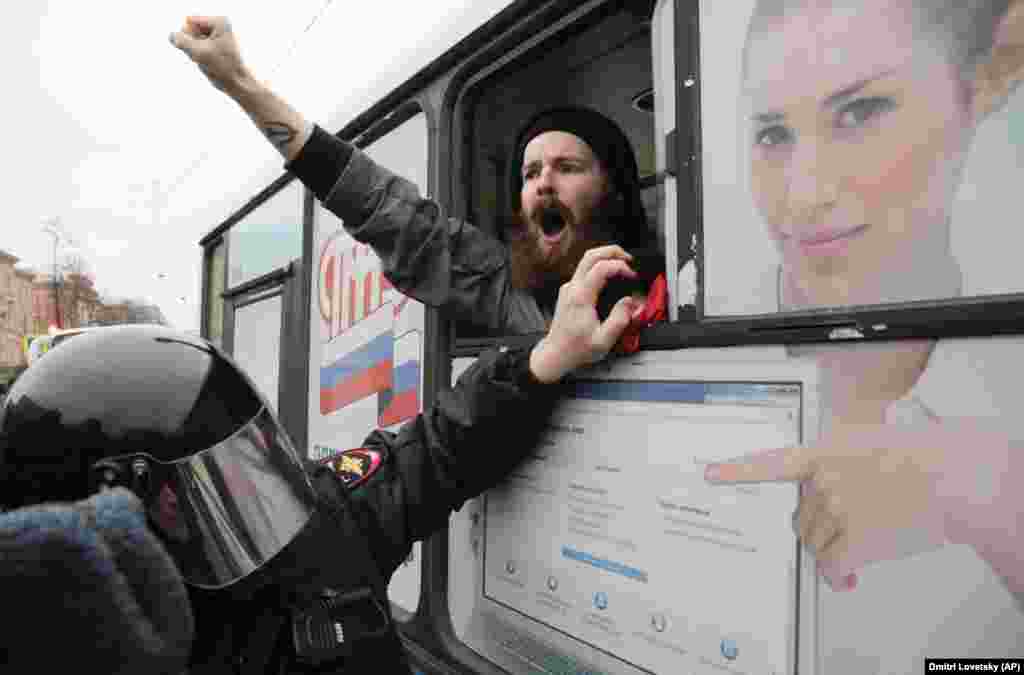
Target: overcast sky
103, 115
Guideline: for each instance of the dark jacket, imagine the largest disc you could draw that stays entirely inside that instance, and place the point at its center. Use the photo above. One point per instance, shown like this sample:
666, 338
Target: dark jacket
441, 262
443, 457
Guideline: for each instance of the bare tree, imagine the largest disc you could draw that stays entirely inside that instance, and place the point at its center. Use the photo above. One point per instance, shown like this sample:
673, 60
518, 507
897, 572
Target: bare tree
79, 300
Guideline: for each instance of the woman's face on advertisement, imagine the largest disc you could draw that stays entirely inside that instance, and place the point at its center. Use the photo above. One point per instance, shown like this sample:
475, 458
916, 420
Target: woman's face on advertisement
858, 128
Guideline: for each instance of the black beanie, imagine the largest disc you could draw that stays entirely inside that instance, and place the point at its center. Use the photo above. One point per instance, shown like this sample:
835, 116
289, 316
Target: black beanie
611, 146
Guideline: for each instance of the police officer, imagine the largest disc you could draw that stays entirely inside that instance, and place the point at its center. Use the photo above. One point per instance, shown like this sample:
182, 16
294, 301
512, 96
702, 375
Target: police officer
287, 562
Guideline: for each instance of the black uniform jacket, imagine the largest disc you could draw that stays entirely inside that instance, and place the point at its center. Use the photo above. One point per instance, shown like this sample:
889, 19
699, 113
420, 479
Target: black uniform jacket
473, 437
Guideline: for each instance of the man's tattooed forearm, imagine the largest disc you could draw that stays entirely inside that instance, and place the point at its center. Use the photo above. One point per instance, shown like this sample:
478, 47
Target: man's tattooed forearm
280, 135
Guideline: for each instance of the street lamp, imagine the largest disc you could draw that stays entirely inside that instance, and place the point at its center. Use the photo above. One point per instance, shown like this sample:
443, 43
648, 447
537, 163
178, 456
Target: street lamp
51, 226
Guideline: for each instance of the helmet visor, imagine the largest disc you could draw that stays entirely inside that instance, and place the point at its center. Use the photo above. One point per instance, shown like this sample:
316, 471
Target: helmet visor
225, 511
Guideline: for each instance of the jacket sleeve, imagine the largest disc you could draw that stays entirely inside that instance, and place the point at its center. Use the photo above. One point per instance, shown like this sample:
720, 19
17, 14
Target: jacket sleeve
441, 262
474, 436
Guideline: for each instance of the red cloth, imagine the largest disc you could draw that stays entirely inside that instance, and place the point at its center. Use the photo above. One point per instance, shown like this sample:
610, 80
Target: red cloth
655, 309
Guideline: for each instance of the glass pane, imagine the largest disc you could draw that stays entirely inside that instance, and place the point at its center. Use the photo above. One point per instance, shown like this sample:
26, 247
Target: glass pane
214, 301
258, 344
268, 238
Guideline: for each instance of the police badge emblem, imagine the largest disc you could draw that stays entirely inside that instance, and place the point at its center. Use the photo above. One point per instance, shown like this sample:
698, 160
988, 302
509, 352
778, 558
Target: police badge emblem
354, 466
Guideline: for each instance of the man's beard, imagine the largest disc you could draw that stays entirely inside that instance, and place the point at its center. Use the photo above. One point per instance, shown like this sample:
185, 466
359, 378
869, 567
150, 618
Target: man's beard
532, 268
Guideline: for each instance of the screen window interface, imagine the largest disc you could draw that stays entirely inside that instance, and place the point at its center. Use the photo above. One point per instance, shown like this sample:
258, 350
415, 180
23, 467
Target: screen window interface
609, 534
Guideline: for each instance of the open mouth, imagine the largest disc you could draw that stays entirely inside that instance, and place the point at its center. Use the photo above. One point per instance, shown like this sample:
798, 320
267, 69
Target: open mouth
552, 222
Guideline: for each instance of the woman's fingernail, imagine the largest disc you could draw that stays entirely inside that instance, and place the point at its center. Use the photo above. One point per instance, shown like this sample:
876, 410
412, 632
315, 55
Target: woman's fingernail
712, 472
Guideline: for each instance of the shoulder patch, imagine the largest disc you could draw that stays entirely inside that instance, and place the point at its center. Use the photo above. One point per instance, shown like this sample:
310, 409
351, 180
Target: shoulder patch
354, 466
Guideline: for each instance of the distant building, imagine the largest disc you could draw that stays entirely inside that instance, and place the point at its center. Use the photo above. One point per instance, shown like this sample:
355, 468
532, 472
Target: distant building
30, 305
79, 300
44, 304
128, 311
15, 313
75, 295
111, 313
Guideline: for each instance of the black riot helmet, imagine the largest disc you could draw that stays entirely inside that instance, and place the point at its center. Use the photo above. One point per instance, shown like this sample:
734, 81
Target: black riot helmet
176, 420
